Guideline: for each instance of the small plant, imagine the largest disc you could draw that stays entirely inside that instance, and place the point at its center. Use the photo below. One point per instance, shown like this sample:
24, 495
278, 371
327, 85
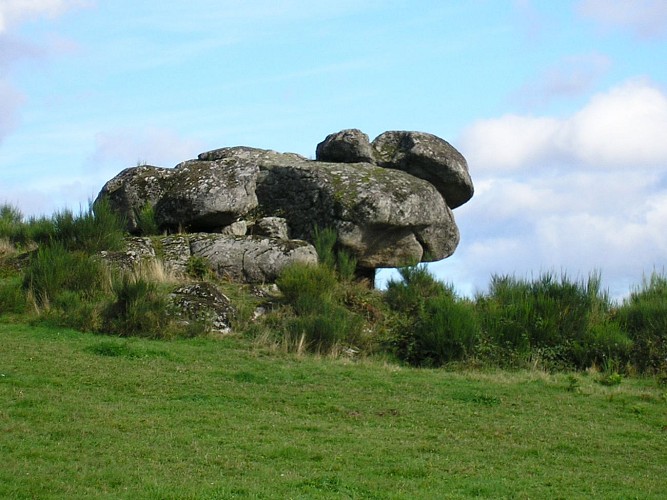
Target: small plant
321, 321
324, 241
146, 222
138, 309
198, 268
573, 383
54, 270
610, 379
644, 317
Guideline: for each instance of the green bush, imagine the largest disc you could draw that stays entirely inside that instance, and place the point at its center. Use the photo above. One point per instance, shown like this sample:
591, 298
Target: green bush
12, 296
328, 255
146, 221
54, 270
12, 227
324, 241
432, 326
320, 316
138, 309
563, 323
644, 317
307, 287
143, 308
330, 326
92, 231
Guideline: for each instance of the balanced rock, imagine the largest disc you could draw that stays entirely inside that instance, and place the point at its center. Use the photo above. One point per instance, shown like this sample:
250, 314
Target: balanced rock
390, 202
381, 215
346, 146
427, 157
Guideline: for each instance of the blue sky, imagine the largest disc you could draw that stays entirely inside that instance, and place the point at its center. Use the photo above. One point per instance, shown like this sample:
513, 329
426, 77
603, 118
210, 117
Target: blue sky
559, 107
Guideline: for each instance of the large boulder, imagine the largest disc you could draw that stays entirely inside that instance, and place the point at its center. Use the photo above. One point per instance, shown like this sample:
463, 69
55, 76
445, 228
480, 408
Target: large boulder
207, 195
390, 202
427, 157
381, 215
250, 259
135, 188
346, 146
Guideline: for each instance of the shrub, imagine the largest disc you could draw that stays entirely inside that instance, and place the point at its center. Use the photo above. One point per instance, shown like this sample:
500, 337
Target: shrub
324, 241
317, 300
12, 227
138, 308
53, 270
146, 221
433, 326
198, 267
12, 296
94, 230
323, 330
307, 287
644, 317
563, 323
328, 255
143, 308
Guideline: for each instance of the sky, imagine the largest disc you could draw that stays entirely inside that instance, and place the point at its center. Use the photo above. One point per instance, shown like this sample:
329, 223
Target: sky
560, 108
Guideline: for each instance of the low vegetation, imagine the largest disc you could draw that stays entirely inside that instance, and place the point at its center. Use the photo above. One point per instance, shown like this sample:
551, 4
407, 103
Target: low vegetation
89, 416
51, 273
543, 388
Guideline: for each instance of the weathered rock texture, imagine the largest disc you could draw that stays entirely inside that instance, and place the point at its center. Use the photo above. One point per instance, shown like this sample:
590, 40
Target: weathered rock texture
390, 200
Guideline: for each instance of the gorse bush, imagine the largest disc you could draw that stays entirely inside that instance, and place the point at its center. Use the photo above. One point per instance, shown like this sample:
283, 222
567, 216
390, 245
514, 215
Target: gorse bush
12, 227
146, 222
320, 317
324, 241
644, 316
94, 230
54, 270
565, 322
432, 326
140, 308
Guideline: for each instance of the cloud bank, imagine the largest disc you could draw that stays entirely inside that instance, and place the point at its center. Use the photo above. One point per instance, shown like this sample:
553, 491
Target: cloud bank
646, 19
583, 192
623, 127
14, 11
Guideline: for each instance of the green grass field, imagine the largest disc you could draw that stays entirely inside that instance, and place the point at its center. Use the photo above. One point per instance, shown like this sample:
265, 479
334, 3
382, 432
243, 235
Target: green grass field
86, 416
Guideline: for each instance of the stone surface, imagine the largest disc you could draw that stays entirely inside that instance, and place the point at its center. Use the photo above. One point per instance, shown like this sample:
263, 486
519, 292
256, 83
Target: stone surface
134, 188
137, 250
250, 259
202, 301
377, 212
346, 146
207, 195
390, 202
427, 157
271, 227
238, 228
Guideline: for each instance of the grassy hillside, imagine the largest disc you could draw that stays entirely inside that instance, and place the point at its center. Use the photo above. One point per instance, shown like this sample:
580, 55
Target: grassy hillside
89, 416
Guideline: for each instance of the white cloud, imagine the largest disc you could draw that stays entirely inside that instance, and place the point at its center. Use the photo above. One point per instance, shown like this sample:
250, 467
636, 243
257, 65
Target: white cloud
623, 127
581, 193
572, 76
644, 18
14, 11
10, 101
156, 146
